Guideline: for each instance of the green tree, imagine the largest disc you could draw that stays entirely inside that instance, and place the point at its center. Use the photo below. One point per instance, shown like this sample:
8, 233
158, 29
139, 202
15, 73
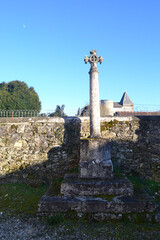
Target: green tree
59, 112
16, 95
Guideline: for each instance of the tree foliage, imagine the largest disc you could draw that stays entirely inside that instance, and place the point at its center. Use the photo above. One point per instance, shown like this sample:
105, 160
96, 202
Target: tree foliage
59, 112
16, 95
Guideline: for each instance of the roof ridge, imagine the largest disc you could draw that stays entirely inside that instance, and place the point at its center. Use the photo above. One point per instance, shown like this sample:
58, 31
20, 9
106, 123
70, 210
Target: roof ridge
125, 100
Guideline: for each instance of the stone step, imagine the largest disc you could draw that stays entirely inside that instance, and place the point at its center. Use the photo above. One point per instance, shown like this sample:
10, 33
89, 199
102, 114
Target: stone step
72, 185
118, 205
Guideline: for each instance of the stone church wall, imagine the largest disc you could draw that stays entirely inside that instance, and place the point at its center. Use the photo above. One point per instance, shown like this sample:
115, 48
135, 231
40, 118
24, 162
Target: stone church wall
36, 150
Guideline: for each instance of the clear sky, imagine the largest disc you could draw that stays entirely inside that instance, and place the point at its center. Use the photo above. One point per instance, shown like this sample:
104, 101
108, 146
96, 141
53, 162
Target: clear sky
43, 43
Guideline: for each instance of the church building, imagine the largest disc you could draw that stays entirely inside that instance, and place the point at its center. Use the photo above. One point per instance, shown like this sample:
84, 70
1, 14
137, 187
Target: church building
110, 108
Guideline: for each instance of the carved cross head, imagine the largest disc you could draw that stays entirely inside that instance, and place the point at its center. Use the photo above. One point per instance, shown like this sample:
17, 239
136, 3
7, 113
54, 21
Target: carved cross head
93, 58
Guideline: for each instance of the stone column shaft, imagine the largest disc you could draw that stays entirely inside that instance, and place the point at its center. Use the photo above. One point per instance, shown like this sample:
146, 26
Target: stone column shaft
94, 102
94, 94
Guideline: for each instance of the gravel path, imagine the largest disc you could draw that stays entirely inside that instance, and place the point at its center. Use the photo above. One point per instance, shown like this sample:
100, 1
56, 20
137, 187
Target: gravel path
18, 228
23, 228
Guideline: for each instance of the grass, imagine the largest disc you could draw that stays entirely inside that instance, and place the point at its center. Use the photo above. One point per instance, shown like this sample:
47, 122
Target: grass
73, 170
16, 198
110, 230
21, 199
54, 188
150, 186
54, 220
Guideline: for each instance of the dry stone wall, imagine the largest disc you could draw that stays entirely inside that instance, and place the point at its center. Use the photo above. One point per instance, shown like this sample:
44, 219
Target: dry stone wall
136, 145
36, 150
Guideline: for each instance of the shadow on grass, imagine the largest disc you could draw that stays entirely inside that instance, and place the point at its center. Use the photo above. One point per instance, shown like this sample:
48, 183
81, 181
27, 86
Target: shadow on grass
20, 199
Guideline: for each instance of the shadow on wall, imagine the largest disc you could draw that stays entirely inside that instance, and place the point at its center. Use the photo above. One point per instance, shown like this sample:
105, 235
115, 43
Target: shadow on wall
60, 159
67, 155
142, 156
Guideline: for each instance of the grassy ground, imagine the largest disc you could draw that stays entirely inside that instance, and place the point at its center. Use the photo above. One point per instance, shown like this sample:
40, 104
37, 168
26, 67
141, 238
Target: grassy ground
20, 200
16, 198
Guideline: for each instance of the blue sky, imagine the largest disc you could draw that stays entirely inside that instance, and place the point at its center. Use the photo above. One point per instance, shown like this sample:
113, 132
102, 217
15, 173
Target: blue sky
43, 43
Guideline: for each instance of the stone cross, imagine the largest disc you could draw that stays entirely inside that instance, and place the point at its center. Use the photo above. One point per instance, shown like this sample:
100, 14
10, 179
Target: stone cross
94, 94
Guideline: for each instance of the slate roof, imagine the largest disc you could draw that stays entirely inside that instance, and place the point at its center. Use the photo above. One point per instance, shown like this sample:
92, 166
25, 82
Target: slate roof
117, 105
125, 100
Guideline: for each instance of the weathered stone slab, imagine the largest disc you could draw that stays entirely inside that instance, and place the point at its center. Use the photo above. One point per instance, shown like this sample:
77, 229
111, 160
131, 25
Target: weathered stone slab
95, 159
116, 186
49, 204
85, 204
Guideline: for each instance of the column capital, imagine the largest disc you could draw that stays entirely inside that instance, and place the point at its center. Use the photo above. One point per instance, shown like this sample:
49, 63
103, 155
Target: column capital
93, 68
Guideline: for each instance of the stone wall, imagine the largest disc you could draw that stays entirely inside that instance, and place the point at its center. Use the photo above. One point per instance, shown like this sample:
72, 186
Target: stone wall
35, 150
136, 145
39, 149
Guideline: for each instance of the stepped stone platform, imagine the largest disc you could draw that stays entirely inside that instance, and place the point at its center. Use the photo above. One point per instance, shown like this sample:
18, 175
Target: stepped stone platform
113, 200
89, 204
97, 194
74, 186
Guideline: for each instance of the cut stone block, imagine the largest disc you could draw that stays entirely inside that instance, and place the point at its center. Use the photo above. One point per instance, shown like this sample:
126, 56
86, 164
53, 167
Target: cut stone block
71, 185
95, 159
85, 204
